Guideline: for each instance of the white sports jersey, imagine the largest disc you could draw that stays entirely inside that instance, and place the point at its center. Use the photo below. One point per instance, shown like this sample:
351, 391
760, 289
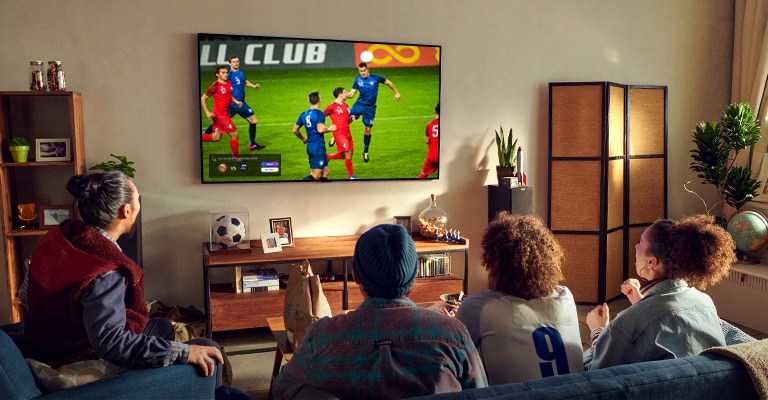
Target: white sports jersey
521, 340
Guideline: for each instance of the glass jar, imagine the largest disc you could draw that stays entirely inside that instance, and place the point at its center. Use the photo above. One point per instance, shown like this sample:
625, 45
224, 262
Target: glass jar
36, 80
56, 79
433, 221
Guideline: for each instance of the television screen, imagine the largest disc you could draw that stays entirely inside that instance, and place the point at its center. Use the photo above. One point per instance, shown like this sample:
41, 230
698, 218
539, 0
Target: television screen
375, 118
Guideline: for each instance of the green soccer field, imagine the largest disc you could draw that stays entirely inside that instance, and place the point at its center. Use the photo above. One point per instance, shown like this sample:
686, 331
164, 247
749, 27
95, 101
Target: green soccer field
397, 149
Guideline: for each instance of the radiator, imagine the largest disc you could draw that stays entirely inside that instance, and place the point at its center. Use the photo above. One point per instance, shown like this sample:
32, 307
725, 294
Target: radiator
742, 296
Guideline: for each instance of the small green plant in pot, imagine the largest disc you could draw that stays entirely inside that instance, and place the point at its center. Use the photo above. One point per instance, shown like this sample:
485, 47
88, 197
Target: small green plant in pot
507, 155
19, 148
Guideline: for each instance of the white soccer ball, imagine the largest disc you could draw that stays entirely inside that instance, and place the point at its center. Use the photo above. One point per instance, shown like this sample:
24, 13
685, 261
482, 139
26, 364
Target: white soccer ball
228, 231
366, 56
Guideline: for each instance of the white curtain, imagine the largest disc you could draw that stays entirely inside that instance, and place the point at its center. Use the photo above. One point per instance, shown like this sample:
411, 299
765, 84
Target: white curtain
750, 69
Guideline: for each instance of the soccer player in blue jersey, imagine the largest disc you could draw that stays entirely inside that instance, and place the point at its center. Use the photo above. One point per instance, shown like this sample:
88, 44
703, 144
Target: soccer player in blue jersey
365, 105
313, 120
237, 77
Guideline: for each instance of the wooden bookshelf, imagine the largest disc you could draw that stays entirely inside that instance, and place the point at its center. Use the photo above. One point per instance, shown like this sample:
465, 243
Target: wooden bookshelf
228, 310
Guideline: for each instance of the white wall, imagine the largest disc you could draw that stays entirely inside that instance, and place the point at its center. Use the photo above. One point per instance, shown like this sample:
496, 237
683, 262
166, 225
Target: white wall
134, 63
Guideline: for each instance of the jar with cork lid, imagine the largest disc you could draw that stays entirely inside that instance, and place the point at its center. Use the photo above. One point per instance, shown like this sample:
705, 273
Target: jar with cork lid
56, 78
36, 79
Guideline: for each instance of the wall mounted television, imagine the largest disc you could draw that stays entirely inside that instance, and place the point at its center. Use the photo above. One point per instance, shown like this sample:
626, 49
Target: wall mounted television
286, 70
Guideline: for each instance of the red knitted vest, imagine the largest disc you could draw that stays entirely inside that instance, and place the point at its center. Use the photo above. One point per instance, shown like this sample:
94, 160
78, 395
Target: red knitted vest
65, 261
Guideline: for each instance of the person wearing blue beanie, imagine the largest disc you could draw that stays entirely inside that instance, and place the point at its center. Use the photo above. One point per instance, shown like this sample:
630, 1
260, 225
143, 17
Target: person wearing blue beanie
387, 348
385, 261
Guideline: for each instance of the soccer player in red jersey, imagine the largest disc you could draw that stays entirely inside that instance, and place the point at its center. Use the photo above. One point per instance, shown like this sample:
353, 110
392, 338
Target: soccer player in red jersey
221, 91
432, 139
339, 113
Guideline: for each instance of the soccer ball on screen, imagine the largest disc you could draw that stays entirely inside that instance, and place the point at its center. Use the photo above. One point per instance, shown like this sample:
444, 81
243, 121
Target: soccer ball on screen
228, 231
366, 56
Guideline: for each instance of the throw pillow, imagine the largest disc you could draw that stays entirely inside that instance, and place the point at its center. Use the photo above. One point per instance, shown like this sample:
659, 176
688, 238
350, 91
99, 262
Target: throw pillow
71, 375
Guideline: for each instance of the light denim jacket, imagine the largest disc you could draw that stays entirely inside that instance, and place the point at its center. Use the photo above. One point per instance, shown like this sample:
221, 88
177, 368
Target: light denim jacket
671, 321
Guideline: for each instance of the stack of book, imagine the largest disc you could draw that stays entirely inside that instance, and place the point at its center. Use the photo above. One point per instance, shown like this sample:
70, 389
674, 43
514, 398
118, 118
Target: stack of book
258, 280
262, 279
434, 265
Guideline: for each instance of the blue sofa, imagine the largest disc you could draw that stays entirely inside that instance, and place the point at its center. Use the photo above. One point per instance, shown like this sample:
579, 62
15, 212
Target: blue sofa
172, 382
699, 377
707, 376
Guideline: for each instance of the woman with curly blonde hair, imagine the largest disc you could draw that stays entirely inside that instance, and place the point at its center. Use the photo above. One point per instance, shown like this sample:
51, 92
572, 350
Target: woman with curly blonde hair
525, 325
670, 316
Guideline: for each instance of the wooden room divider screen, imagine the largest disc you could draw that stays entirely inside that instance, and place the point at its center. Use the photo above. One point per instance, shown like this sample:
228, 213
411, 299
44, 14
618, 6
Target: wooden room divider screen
607, 182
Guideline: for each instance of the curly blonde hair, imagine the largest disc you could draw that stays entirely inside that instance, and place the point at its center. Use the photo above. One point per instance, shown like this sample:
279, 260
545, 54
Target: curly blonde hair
522, 256
693, 248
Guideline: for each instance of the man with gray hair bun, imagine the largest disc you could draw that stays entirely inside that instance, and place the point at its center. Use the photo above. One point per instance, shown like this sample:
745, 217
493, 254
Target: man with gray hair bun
388, 348
85, 298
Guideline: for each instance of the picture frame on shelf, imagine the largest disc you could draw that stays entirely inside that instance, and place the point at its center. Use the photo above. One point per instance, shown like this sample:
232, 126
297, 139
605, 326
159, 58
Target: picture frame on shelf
57, 149
270, 242
762, 194
405, 221
284, 229
52, 215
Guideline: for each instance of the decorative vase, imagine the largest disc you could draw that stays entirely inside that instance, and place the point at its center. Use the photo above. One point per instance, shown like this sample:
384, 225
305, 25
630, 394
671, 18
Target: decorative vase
433, 221
19, 153
505, 172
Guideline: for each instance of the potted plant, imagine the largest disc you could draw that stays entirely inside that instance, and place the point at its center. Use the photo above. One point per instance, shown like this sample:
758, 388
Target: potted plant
507, 155
131, 244
124, 166
717, 146
19, 148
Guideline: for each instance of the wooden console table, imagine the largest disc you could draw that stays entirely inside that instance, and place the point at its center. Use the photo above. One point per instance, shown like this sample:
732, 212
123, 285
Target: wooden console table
227, 310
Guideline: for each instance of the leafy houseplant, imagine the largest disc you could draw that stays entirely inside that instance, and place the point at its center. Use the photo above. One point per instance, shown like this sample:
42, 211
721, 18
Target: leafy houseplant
19, 148
124, 166
507, 154
717, 146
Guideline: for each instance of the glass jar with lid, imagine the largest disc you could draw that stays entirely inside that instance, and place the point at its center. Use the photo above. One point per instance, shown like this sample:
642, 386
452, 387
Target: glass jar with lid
56, 78
36, 79
433, 221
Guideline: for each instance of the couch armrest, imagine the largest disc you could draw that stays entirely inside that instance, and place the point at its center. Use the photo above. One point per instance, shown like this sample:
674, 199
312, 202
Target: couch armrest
171, 382
16, 380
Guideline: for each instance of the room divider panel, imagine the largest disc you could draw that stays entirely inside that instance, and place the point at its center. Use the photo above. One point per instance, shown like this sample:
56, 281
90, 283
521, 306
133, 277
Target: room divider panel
607, 182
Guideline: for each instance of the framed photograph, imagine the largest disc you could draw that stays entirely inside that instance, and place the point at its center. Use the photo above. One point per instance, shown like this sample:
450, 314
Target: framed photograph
53, 215
270, 242
762, 193
284, 230
404, 221
52, 150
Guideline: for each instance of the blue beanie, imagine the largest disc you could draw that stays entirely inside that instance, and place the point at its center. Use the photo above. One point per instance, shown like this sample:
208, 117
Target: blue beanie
385, 261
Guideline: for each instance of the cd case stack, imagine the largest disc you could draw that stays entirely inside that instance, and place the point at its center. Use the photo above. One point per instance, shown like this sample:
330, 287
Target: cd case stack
434, 265
259, 280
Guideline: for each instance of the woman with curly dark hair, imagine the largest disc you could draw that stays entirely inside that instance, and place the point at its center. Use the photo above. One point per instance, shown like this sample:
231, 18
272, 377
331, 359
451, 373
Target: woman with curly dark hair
670, 317
525, 325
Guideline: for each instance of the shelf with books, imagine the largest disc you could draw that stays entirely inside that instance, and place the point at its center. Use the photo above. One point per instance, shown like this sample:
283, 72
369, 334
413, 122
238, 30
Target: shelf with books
229, 310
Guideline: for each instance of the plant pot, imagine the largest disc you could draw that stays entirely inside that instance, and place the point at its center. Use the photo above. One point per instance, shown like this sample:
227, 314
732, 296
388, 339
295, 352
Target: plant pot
19, 153
505, 172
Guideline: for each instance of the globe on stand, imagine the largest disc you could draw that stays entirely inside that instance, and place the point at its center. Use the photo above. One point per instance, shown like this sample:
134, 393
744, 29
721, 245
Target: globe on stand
749, 230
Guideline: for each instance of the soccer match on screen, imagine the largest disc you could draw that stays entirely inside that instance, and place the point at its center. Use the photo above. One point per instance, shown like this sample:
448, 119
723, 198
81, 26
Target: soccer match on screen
284, 109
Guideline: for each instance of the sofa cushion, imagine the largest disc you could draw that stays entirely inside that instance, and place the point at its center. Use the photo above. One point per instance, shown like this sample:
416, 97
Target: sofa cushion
16, 380
71, 375
696, 377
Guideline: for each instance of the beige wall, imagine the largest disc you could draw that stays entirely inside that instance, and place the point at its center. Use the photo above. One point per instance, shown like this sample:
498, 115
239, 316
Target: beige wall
134, 62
